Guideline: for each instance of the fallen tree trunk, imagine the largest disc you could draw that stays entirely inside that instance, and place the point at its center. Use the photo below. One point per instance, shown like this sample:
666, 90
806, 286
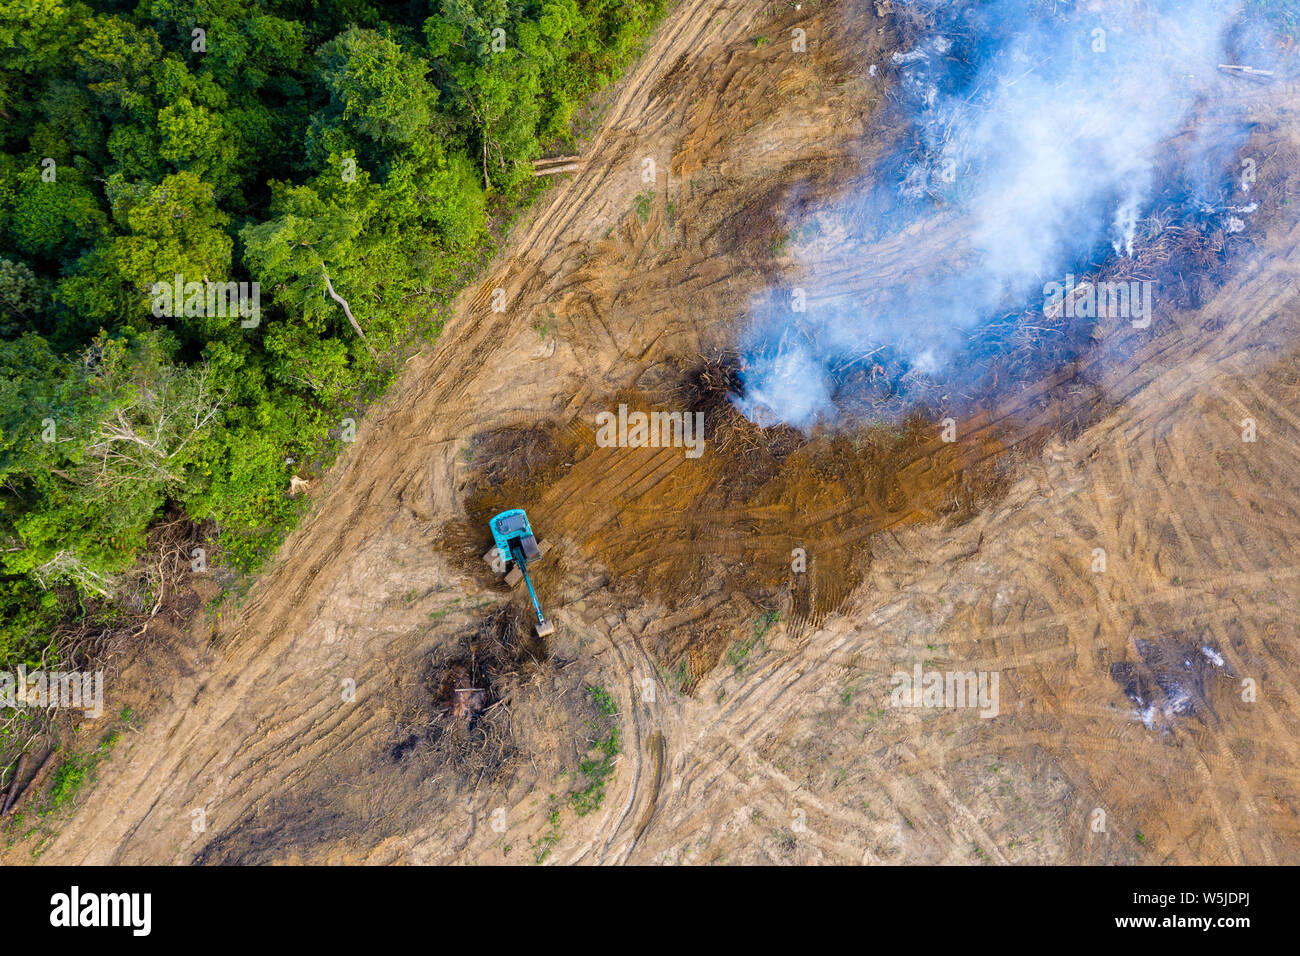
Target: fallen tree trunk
19, 767
1233, 69
15, 801
554, 160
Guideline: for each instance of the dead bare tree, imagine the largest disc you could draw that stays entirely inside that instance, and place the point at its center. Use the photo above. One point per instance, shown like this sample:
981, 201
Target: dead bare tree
329, 287
140, 440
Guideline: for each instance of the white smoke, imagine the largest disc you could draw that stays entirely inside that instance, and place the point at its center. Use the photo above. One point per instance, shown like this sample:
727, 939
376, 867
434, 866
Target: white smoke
1047, 149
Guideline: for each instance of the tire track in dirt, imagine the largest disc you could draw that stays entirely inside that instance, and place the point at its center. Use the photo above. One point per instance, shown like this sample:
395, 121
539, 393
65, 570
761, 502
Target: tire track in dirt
1216, 764
352, 500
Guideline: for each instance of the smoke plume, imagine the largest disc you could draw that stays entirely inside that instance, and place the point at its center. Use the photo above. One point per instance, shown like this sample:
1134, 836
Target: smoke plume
1042, 130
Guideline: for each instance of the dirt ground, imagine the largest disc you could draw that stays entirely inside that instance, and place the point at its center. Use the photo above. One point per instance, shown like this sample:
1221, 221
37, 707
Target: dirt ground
751, 702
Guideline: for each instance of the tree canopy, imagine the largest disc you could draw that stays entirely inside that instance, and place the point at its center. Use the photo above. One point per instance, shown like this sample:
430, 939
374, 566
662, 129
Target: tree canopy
191, 192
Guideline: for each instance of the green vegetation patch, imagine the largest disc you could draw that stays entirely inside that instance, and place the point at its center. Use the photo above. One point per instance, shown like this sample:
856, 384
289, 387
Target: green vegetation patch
219, 239
599, 764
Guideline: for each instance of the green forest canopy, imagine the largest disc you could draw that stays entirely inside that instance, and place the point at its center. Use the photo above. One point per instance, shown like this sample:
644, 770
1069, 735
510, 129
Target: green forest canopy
153, 145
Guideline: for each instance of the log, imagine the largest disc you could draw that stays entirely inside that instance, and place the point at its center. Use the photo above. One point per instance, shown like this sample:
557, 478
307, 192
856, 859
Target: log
15, 801
1233, 69
552, 170
19, 767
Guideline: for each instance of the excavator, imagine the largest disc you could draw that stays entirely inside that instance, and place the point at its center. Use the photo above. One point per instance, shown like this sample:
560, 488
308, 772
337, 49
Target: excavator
514, 547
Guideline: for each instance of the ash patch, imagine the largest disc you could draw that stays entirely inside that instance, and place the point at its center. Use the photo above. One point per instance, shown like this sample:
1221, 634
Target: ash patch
1171, 679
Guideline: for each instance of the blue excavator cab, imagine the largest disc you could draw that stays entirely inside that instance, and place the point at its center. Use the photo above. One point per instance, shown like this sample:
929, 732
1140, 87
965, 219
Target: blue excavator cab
515, 544
511, 526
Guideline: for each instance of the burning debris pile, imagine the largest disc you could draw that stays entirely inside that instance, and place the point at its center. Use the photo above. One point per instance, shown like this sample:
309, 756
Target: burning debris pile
1043, 142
